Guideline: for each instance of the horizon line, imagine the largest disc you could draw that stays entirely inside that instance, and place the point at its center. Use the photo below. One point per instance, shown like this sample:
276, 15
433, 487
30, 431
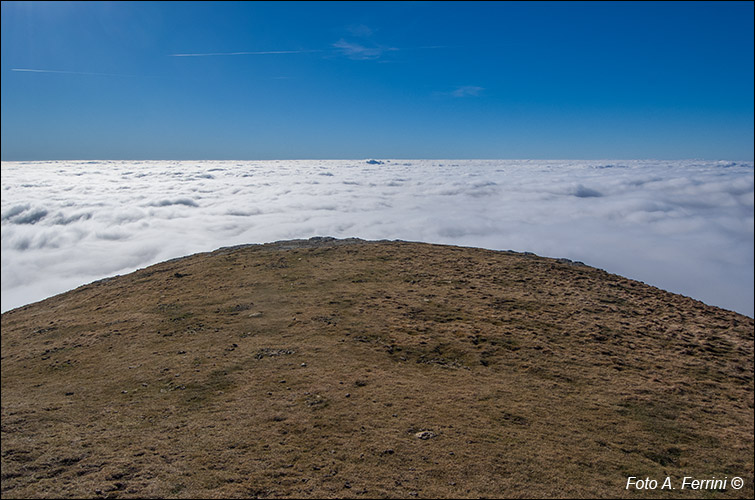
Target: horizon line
382, 158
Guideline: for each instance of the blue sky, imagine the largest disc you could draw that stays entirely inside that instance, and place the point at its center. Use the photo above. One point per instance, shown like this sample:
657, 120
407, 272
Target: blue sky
238, 80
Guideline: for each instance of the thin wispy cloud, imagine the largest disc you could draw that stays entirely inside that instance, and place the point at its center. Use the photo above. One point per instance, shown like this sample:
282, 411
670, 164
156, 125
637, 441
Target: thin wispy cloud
346, 48
367, 48
463, 91
360, 30
359, 51
468, 91
354, 50
359, 45
364, 49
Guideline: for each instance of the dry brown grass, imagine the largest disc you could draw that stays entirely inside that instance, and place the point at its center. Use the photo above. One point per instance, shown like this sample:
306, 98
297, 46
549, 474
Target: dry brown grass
307, 372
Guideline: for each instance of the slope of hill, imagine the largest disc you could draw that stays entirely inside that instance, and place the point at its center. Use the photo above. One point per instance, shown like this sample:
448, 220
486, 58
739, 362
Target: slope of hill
346, 368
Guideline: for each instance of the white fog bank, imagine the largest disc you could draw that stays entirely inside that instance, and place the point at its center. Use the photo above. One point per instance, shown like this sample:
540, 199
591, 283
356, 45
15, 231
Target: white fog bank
684, 226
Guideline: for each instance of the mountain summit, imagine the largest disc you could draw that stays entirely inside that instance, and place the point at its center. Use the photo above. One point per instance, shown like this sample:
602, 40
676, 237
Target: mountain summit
346, 368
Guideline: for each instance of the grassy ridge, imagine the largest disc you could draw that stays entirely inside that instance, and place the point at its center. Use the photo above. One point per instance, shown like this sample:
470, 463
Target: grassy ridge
310, 370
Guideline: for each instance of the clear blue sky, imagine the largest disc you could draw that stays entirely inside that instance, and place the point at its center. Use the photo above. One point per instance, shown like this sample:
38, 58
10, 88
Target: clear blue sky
122, 80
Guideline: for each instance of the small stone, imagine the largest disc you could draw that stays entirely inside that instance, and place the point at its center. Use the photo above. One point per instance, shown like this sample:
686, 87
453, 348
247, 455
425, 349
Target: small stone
124, 392
303, 365
425, 434
255, 315
348, 395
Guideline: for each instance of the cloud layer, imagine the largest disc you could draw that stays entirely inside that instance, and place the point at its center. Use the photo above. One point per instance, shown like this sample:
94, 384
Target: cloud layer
684, 226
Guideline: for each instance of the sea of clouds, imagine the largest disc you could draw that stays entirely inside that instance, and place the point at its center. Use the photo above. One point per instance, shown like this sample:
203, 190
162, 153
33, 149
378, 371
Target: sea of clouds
684, 226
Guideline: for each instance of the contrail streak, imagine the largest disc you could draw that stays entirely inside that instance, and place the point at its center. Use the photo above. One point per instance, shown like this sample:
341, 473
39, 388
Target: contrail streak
259, 53
28, 70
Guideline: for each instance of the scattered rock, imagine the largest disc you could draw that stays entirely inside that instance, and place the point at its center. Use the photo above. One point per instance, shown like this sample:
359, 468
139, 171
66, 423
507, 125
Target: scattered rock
317, 400
425, 435
268, 352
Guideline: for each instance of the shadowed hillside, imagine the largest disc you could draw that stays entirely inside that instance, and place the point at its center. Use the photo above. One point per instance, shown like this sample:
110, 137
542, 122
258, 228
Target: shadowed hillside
345, 368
